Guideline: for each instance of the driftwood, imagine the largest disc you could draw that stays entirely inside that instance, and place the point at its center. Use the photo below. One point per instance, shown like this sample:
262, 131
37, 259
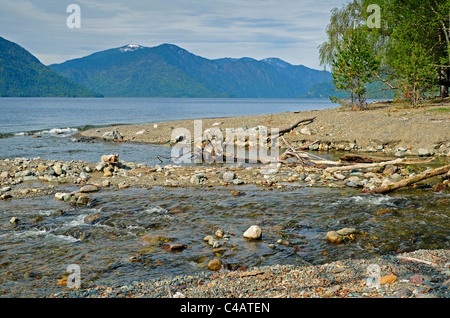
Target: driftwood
111, 159
302, 121
364, 159
413, 179
365, 165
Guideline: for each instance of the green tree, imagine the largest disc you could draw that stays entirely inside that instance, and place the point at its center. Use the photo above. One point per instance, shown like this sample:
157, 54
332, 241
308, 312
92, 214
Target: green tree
416, 46
353, 67
412, 44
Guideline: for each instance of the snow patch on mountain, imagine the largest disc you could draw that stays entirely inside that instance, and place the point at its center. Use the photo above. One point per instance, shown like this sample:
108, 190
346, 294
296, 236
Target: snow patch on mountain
130, 48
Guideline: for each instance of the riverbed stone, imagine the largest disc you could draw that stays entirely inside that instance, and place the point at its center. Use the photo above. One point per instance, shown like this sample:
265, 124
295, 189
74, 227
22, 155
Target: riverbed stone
422, 152
5, 175
82, 200
219, 233
88, 188
60, 196
215, 265
229, 176
253, 232
57, 169
388, 279
347, 231
14, 220
334, 237
395, 177
198, 179
173, 246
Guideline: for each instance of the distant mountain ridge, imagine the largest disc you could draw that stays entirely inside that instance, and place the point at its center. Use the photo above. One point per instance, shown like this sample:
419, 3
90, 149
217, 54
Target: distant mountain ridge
171, 71
23, 75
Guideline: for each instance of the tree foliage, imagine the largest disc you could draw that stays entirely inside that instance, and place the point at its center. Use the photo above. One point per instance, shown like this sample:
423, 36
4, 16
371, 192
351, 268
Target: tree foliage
412, 43
353, 66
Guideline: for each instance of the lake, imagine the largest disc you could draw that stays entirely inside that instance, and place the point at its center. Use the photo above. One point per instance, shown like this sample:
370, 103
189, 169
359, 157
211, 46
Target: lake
56, 119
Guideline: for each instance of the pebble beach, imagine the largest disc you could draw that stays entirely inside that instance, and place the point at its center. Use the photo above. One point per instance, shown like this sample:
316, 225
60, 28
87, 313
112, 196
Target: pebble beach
386, 132
420, 274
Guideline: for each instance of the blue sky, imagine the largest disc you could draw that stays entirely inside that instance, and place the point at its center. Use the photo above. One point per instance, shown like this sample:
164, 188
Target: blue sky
289, 29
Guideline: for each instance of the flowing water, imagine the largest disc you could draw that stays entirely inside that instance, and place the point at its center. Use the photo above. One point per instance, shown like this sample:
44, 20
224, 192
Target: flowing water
118, 239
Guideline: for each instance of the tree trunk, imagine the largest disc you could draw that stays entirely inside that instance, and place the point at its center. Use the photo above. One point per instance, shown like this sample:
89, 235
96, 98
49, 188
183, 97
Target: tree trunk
444, 79
413, 179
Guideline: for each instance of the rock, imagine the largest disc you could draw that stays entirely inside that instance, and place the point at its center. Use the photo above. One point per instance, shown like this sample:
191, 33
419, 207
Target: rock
178, 295
173, 247
5, 175
403, 293
422, 152
347, 231
60, 196
14, 220
58, 169
198, 179
253, 232
82, 200
416, 279
209, 239
100, 166
91, 218
332, 290
334, 237
314, 147
387, 279
106, 183
229, 176
84, 176
88, 188
108, 172
383, 211
237, 181
395, 177
219, 233
306, 131
400, 154
339, 176
215, 265
112, 135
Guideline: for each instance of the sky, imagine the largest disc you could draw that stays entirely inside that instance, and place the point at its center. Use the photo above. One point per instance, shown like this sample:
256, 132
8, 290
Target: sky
288, 29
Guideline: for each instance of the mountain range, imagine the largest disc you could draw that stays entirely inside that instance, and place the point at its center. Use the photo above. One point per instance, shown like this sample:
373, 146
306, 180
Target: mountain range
22, 75
165, 70
170, 71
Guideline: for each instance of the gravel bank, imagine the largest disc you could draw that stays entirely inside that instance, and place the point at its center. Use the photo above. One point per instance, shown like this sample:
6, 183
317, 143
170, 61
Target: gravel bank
383, 129
419, 274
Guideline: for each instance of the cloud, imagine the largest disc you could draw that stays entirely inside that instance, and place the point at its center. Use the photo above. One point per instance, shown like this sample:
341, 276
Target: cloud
288, 29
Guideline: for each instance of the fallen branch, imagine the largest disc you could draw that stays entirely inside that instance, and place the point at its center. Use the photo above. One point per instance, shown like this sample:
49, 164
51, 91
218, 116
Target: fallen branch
364, 165
412, 259
286, 130
364, 159
293, 150
413, 179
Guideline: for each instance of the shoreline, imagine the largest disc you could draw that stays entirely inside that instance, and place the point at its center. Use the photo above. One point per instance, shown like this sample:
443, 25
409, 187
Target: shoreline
422, 273
384, 129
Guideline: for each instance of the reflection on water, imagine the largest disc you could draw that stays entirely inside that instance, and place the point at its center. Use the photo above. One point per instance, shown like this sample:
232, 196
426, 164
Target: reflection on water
133, 223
